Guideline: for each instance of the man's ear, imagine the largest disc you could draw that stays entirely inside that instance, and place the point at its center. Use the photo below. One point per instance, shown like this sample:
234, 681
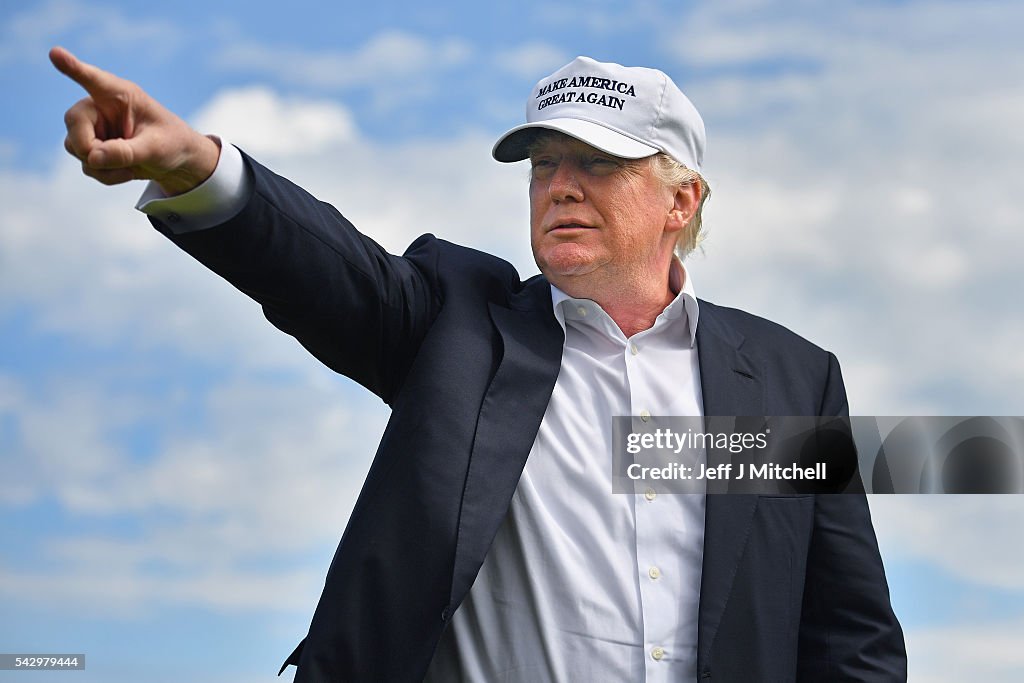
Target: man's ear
685, 202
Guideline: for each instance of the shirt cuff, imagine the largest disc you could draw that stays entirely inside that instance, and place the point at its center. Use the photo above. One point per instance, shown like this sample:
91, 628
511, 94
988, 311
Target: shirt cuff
216, 200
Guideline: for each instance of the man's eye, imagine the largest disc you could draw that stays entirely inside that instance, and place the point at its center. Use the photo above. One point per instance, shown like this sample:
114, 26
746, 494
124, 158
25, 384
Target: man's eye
542, 167
602, 164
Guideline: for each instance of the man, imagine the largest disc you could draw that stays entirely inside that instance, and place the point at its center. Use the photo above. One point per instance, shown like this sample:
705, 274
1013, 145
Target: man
487, 543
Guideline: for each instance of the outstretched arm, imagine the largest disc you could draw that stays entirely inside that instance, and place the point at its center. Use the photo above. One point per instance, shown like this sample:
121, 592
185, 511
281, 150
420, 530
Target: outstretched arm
359, 309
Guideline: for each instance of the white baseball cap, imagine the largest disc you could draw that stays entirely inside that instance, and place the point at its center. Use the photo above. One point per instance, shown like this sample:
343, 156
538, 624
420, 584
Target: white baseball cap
629, 112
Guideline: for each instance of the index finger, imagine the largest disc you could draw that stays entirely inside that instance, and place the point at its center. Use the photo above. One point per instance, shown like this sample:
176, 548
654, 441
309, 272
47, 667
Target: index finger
95, 80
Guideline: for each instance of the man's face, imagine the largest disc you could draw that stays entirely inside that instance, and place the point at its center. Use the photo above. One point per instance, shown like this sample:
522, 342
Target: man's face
595, 218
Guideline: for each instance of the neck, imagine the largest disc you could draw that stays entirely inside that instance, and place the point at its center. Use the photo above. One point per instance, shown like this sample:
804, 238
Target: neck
632, 316
634, 304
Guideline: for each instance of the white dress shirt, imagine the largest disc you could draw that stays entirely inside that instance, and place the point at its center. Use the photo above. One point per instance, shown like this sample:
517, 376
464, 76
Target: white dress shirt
580, 584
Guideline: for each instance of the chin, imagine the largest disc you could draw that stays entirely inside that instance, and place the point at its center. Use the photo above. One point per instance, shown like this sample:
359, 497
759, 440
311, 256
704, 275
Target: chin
564, 260
556, 268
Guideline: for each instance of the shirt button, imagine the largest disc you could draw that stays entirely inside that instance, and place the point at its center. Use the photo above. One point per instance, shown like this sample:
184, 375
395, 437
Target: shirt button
633, 349
654, 572
173, 218
658, 653
645, 415
582, 310
649, 494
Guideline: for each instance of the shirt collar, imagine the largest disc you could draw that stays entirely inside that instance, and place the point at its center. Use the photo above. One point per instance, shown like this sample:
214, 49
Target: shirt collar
679, 281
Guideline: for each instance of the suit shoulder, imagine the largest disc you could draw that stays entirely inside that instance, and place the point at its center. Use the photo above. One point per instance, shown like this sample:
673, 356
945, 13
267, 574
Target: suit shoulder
455, 265
760, 331
799, 377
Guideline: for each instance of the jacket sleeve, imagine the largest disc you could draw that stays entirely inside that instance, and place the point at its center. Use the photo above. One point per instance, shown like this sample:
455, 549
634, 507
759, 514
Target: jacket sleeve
848, 631
360, 310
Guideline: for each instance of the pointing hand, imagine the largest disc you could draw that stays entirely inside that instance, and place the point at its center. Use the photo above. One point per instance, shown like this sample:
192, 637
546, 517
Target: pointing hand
120, 133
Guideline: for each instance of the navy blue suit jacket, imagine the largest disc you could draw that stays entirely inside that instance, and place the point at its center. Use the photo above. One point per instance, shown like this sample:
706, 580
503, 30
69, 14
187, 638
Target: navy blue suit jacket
466, 356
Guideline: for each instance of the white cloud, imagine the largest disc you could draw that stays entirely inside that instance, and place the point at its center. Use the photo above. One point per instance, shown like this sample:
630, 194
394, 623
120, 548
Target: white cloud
841, 34
867, 190
934, 267
974, 538
266, 124
254, 483
451, 188
86, 264
388, 60
531, 60
27, 35
987, 652
109, 589
601, 20
8, 151
68, 448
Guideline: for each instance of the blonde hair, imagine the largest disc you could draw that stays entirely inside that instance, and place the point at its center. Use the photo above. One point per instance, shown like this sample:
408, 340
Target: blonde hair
671, 173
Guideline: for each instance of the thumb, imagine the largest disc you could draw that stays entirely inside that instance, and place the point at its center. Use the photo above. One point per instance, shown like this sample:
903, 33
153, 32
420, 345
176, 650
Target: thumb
113, 153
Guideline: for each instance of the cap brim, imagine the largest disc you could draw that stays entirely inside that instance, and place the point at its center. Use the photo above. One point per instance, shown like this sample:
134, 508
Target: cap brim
512, 146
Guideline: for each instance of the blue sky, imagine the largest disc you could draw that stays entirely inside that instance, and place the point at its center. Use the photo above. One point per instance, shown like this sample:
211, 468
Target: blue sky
175, 475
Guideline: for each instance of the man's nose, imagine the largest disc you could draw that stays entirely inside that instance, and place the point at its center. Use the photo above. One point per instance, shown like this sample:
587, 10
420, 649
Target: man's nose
564, 184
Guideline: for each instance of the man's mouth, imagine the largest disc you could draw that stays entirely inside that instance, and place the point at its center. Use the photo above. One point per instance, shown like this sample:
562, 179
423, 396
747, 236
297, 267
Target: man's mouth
570, 226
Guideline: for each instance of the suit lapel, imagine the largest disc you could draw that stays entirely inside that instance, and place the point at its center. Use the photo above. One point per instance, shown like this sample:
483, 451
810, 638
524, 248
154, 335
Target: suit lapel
510, 416
731, 385
731, 382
